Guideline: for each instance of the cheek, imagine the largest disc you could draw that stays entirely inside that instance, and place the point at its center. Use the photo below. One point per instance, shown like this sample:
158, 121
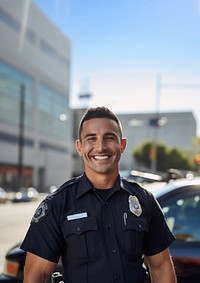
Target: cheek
84, 150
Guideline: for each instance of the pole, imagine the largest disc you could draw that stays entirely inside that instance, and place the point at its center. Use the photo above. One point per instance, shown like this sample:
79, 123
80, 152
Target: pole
153, 153
21, 136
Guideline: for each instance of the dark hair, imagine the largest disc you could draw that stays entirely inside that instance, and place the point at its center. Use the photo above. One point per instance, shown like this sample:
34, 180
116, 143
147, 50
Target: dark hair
99, 112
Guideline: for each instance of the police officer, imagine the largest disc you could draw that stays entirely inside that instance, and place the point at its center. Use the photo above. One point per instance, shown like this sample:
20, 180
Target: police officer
100, 225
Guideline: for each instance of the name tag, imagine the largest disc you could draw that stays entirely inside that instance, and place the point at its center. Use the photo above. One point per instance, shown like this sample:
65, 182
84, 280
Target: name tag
77, 216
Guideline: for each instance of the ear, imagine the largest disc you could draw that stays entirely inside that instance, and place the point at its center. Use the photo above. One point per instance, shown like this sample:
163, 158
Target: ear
78, 147
123, 144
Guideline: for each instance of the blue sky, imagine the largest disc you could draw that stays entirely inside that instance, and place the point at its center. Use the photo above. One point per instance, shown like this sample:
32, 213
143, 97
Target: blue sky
119, 47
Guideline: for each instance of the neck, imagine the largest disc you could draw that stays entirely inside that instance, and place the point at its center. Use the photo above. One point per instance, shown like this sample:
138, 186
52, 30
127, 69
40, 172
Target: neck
102, 181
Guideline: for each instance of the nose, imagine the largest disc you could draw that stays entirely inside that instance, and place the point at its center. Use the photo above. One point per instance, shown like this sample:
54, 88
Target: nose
101, 145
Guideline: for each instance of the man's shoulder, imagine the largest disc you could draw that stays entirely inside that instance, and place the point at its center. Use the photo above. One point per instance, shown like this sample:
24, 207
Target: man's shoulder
131, 184
135, 187
69, 184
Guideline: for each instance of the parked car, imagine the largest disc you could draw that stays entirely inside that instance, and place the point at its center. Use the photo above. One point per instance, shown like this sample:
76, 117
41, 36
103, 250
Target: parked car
180, 202
26, 195
14, 266
3, 196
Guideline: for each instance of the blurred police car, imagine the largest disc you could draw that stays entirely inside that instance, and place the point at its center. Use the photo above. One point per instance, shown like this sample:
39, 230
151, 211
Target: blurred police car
180, 202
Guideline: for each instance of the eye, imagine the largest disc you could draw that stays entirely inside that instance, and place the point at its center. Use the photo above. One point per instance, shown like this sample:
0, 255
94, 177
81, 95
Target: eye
91, 139
110, 137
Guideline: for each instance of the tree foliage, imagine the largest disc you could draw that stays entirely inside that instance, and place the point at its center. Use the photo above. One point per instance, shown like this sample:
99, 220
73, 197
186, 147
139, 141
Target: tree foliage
166, 157
197, 145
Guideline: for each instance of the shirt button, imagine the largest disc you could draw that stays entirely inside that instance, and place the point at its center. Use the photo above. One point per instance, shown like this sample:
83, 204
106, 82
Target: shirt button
108, 227
78, 229
114, 251
117, 277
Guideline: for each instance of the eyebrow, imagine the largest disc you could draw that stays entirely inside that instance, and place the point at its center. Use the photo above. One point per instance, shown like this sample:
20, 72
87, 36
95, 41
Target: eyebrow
111, 134
89, 135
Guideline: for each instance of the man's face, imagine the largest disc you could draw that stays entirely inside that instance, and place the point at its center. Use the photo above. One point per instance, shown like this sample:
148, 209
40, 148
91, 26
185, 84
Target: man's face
101, 146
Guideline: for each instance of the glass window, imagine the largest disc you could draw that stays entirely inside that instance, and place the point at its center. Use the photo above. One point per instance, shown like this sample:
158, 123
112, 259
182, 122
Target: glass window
11, 81
53, 107
9, 21
50, 51
182, 215
31, 36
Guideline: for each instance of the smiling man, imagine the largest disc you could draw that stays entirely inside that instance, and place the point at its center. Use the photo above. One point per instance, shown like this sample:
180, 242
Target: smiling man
99, 224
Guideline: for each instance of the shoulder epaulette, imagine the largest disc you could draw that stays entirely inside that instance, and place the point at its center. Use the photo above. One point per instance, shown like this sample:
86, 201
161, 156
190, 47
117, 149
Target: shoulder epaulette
67, 184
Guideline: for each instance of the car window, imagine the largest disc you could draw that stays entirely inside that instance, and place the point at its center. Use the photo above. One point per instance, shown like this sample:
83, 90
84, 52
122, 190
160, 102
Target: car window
182, 214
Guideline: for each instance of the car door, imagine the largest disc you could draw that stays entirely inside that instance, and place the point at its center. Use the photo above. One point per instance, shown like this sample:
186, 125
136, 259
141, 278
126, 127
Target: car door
181, 208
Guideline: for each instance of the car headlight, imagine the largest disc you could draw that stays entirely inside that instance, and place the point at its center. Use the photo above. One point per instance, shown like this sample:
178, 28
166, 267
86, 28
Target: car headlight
18, 195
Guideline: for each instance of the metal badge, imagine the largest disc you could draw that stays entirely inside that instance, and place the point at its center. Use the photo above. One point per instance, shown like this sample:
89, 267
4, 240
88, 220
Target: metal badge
134, 205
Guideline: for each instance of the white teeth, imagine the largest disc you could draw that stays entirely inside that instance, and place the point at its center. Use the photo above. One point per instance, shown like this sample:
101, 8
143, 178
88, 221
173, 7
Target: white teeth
101, 157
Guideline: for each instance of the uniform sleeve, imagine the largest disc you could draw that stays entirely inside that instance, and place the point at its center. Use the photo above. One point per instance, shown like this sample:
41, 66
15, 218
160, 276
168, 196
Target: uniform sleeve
44, 236
159, 236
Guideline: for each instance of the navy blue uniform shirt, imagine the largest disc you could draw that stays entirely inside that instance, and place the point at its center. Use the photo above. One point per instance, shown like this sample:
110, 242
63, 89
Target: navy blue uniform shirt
101, 237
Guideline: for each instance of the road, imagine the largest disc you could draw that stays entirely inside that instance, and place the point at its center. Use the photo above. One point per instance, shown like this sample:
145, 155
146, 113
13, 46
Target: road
14, 222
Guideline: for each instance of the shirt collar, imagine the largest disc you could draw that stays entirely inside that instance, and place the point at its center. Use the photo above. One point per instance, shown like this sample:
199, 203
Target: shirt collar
85, 185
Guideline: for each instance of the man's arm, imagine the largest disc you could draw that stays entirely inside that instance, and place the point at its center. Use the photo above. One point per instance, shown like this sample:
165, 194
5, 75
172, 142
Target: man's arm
37, 269
161, 268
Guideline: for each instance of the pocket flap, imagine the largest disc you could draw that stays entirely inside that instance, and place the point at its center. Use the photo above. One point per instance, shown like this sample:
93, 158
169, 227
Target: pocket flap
138, 224
79, 226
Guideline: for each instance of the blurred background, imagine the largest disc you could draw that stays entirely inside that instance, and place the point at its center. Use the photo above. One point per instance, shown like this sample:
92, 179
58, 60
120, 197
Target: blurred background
59, 57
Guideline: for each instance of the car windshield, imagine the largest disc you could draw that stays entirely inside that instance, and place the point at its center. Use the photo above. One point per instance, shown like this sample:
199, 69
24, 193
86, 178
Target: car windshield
180, 202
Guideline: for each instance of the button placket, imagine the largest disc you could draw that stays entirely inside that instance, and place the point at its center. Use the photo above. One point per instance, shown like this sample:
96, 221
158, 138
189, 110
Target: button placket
111, 242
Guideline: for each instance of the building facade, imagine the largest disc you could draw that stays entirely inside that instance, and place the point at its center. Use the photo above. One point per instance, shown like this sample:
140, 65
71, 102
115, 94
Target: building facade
35, 131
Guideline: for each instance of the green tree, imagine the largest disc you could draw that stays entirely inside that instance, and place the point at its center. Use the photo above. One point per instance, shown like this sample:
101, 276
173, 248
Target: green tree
166, 157
196, 143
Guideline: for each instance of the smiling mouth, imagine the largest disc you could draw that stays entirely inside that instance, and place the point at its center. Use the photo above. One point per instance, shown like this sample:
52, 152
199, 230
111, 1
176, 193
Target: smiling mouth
100, 157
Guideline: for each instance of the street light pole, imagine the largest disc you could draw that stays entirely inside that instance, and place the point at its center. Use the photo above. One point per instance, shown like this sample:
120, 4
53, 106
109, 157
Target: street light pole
153, 150
21, 135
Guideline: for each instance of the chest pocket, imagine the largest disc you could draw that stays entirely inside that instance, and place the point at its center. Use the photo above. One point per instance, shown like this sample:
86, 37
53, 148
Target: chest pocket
81, 238
134, 230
